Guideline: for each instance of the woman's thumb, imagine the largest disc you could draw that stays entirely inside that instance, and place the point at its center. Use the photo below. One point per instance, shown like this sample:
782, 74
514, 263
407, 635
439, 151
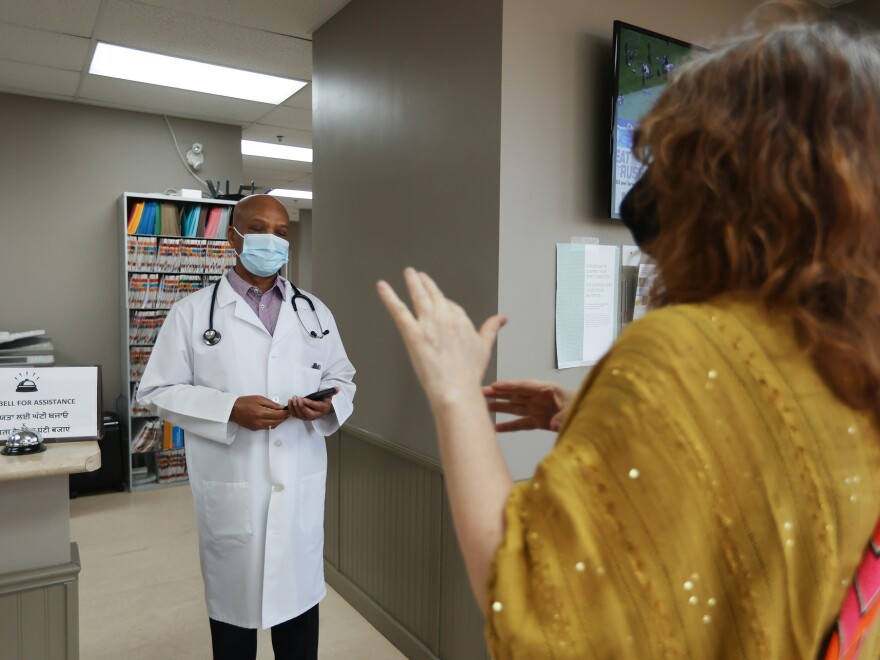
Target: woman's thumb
491, 326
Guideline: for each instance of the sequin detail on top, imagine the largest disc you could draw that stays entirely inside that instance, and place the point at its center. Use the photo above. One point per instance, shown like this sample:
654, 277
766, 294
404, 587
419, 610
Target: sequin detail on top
600, 572
861, 604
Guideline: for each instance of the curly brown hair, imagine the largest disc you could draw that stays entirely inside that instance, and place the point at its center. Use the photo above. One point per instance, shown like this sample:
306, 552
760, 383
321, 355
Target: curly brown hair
763, 160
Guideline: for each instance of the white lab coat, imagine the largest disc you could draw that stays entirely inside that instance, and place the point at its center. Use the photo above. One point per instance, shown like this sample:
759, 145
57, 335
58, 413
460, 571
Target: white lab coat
259, 495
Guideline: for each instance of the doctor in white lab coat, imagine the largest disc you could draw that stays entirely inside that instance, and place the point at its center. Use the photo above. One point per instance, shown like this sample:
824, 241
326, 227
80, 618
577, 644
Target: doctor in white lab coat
255, 447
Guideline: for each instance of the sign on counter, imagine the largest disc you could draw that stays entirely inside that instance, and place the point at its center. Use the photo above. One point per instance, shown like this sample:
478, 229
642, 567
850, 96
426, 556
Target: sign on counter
61, 403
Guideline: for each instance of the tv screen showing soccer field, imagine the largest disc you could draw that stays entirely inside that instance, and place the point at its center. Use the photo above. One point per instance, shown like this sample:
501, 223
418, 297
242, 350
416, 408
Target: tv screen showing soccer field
643, 62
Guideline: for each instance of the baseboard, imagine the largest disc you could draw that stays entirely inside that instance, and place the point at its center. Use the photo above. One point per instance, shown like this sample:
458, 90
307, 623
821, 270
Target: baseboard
411, 647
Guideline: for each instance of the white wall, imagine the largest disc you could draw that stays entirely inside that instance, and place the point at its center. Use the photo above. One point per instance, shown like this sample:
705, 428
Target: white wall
555, 114
63, 167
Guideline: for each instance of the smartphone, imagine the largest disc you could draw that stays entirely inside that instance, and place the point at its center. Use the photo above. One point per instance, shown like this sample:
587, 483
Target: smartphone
321, 394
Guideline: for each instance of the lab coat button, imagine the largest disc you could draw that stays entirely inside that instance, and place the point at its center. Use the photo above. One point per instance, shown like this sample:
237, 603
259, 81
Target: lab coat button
278, 443
275, 399
278, 488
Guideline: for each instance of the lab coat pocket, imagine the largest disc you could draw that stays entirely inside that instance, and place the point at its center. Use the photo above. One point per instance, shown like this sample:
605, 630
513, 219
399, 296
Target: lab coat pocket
311, 490
305, 381
227, 511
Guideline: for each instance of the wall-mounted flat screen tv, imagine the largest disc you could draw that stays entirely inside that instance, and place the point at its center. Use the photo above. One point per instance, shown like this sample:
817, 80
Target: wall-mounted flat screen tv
643, 62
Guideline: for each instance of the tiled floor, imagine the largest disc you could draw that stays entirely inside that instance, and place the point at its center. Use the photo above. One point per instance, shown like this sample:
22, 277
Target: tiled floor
141, 594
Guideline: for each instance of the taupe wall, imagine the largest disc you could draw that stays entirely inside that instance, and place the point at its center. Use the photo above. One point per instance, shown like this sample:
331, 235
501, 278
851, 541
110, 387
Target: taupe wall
555, 116
437, 146
63, 167
304, 262
406, 139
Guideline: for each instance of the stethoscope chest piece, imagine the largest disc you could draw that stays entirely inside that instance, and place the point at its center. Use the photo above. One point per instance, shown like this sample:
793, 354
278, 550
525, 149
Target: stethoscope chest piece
211, 337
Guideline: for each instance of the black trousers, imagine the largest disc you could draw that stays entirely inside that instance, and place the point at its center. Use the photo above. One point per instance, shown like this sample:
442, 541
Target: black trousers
296, 639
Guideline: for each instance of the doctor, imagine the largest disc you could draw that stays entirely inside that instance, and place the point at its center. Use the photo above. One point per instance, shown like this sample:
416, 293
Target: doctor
254, 445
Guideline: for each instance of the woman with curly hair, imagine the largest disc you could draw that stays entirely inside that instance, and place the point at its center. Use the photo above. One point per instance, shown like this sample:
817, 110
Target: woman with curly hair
717, 478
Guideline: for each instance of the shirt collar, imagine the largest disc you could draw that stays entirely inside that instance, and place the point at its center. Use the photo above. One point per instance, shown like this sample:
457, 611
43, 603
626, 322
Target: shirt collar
241, 287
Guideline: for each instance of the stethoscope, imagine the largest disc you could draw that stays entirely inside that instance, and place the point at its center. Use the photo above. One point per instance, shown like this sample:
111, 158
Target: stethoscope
212, 337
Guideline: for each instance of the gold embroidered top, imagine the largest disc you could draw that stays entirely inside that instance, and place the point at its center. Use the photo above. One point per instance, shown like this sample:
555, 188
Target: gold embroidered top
708, 497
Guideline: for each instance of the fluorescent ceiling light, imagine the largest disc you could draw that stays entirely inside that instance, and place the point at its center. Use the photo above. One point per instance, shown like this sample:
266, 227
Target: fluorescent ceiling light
270, 150
294, 194
141, 66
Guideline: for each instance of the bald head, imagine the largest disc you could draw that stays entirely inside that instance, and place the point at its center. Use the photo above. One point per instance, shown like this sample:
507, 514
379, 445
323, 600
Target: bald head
260, 206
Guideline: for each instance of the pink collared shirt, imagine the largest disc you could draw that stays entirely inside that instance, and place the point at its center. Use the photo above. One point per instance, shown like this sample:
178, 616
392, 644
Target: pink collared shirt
266, 305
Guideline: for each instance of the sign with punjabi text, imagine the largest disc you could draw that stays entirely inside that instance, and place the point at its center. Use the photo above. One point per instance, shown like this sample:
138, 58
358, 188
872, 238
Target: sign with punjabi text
61, 403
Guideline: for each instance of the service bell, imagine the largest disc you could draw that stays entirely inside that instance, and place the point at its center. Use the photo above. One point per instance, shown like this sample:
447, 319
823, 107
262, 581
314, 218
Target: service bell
24, 441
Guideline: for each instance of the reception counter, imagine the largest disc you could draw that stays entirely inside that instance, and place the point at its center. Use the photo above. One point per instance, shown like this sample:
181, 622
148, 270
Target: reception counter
39, 566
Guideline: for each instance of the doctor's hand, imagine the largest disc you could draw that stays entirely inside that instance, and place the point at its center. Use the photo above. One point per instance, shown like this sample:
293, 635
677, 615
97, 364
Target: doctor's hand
539, 404
308, 410
447, 351
257, 413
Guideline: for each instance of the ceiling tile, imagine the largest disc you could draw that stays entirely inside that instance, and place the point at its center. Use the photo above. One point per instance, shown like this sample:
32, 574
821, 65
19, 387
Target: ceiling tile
288, 170
294, 205
290, 136
21, 78
268, 183
65, 16
302, 99
61, 51
297, 18
165, 100
275, 180
286, 117
205, 39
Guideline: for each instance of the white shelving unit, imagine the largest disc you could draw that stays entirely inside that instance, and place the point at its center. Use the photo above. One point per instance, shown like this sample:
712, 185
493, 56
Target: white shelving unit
149, 465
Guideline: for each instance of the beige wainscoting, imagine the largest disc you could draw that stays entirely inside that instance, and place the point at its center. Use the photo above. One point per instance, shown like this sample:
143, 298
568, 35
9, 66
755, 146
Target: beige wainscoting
390, 548
39, 613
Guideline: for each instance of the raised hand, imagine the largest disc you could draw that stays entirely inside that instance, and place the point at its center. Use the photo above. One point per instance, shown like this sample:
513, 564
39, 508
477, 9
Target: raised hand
447, 352
538, 404
257, 413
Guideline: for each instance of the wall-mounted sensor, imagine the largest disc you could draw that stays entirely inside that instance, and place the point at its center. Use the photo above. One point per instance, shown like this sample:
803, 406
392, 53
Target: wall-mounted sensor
194, 156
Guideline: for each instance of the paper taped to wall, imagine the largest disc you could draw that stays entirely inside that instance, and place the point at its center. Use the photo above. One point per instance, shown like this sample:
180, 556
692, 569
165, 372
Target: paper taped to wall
587, 299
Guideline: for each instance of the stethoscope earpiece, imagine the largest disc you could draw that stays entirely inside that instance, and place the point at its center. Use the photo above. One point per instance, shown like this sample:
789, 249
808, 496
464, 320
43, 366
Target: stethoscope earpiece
212, 337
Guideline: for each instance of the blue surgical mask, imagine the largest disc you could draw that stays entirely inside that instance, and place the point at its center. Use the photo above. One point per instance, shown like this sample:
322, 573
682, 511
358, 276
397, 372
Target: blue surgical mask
263, 254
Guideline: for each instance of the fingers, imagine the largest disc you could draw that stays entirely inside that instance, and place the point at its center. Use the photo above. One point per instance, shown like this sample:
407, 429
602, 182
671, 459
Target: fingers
507, 407
398, 310
431, 289
556, 421
521, 424
308, 410
520, 385
266, 419
277, 416
267, 403
491, 326
420, 291
492, 392
297, 407
321, 407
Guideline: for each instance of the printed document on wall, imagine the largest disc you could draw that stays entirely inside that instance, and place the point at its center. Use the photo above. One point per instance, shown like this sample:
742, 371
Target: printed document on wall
587, 298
